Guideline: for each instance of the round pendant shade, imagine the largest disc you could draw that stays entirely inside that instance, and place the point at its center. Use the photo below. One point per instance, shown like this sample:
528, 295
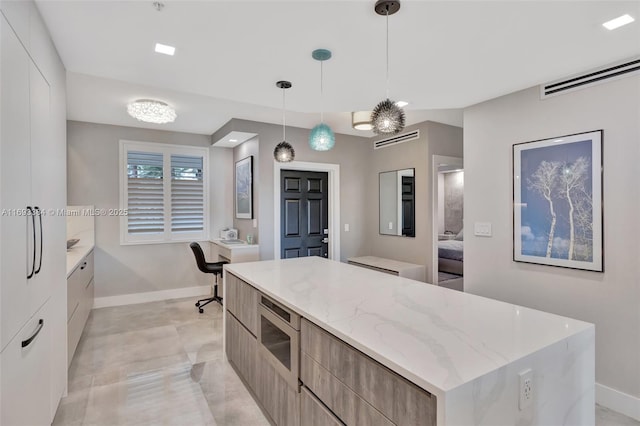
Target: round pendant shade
387, 118
284, 152
322, 138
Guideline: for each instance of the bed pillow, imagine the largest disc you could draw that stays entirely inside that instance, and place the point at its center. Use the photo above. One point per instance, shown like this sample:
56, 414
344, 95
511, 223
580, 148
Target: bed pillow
460, 235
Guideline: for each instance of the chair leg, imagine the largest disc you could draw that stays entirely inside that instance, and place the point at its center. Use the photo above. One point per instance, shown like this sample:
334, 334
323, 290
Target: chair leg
215, 292
208, 300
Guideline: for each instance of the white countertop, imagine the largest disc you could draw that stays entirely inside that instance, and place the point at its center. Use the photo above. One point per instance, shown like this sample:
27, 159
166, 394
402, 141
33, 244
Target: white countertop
234, 246
435, 337
76, 253
380, 262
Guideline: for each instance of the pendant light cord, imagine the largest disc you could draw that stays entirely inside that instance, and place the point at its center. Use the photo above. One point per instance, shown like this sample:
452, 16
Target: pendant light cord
284, 123
387, 52
321, 94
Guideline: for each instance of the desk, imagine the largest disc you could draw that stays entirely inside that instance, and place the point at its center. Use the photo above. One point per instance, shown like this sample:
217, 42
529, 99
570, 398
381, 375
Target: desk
234, 253
389, 266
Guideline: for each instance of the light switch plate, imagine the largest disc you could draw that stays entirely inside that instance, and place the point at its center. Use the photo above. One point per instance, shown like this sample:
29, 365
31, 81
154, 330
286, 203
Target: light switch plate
346, 227
482, 229
255, 223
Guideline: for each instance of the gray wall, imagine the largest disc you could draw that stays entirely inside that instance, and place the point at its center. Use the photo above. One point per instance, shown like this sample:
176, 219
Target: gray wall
435, 139
350, 152
92, 178
611, 299
453, 201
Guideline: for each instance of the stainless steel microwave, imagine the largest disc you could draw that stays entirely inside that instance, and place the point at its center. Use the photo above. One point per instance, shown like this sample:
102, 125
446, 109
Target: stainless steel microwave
279, 339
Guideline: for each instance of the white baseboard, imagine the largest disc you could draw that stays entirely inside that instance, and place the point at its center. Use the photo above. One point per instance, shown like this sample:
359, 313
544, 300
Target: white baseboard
621, 402
151, 296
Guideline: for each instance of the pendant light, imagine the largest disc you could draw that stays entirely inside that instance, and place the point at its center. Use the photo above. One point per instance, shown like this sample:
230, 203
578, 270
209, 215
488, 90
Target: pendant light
284, 152
321, 137
387, 117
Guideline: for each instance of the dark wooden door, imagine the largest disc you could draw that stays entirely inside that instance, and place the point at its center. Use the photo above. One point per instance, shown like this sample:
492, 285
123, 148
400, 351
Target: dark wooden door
408, 206
304, 214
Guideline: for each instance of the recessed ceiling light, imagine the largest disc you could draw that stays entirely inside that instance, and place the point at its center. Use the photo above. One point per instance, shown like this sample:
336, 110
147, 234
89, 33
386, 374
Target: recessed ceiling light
164, 49
618, 22
233, 140
402, 104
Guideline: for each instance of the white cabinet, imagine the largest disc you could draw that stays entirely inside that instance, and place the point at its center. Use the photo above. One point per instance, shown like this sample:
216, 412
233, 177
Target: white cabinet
32, 246
18, 14
15, 185
25, 185
80, 291
234, 253
26, 374
40, 285
389, 266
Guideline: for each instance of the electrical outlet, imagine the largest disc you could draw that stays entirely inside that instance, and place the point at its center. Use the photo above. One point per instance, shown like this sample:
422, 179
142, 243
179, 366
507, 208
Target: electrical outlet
526, 388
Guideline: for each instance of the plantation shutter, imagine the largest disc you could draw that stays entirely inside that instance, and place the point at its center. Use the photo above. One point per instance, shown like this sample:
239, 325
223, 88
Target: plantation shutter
145, 195
187, 194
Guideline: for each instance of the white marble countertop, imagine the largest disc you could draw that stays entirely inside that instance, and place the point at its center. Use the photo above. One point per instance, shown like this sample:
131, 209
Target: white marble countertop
234, 246
76, 253
435, 337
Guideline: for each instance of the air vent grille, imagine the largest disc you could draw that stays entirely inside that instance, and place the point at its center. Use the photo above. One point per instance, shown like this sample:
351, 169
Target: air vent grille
395, 140
599, 76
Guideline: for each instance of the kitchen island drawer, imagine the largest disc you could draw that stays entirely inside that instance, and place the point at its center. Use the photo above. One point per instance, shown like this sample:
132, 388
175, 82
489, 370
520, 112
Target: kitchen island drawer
349, 407
398, 399
241, 349
242, 301
314, 413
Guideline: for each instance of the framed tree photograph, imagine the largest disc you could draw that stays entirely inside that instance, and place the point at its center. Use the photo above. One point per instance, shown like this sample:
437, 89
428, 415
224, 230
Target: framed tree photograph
557, 201
244, 188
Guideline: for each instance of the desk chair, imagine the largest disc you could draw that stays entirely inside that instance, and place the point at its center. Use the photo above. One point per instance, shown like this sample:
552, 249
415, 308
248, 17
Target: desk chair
214, 268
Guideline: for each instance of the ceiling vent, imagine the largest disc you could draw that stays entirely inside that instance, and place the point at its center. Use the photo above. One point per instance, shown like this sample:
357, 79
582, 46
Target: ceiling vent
601, 75
395, 140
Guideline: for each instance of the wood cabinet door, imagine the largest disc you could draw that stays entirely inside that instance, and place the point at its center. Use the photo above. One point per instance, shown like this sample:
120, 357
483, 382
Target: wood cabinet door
16, 228
274, 392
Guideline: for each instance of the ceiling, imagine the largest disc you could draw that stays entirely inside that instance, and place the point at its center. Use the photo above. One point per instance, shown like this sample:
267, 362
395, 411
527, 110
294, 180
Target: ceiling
444, 55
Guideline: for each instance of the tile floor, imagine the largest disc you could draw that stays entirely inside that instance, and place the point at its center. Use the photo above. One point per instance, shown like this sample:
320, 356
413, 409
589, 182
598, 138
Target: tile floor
161, 363
157, 363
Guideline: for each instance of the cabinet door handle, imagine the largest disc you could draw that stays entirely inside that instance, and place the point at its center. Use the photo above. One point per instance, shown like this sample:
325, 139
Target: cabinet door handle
37, 209
84, 265
27, 342
33, 222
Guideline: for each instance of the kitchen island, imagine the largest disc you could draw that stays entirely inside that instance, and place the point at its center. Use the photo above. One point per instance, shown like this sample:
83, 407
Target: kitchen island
470, 354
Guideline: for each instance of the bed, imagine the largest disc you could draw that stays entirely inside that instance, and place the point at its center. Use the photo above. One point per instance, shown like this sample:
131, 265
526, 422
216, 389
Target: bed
450, 255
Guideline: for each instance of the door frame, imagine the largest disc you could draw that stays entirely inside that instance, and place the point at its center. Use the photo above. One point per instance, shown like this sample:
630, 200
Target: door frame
333, 171
436, 162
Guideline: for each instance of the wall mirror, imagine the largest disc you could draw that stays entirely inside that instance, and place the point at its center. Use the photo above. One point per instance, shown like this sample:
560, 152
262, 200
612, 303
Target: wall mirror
397, 203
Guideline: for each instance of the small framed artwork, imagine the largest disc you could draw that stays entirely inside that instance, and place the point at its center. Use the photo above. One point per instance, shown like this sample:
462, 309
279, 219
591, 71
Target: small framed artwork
557, 201
244, 188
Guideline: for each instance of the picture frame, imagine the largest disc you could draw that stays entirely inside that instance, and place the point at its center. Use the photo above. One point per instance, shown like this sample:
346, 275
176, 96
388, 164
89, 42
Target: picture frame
558, 201
244, 188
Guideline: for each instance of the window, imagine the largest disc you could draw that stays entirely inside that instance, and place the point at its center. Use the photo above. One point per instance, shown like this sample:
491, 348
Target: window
164, 190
